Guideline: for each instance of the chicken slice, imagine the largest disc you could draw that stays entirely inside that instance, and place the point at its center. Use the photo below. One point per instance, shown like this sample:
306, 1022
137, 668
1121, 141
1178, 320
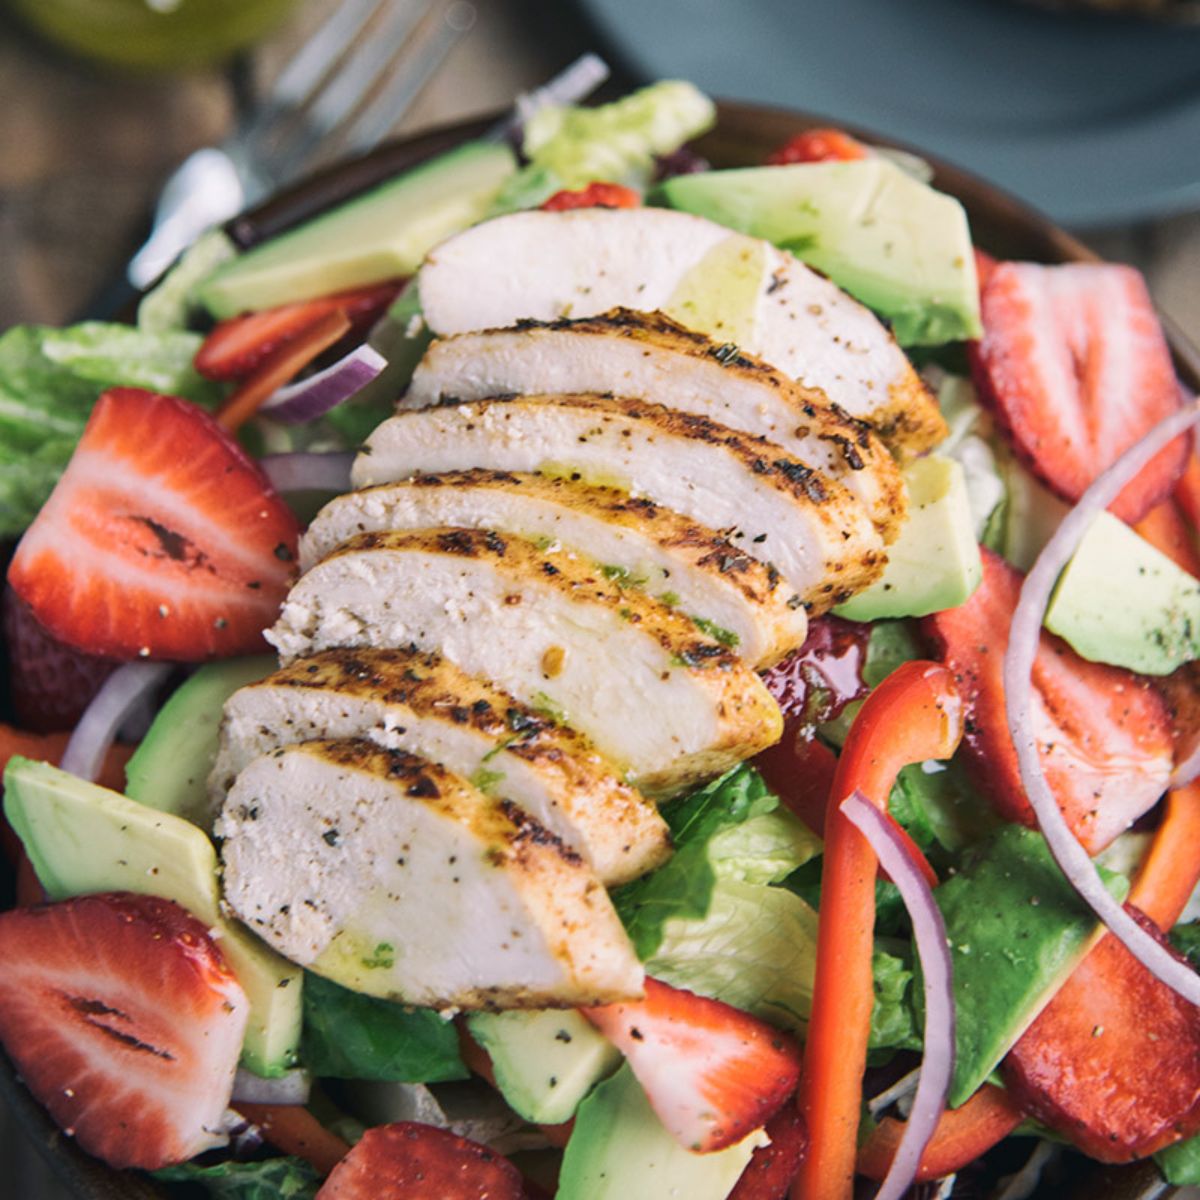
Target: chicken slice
545, 266
634, 542
406, 700
647, 356
394, 876
667, 704
807, 526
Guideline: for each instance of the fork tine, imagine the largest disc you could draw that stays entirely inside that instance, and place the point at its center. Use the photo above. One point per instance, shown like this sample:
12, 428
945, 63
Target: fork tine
422, 57
307, 69
355, 78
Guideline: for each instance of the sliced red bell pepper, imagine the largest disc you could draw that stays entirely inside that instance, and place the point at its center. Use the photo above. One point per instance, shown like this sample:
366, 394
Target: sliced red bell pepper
595, 195
292, 1129
1166, 529
961, 1136
913, 715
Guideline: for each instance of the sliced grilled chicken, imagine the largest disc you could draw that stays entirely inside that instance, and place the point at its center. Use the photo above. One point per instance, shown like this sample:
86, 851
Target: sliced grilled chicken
395, 877
634, 542
842, 349
807, 526
406, 700
545, 266
647, 356
667, 704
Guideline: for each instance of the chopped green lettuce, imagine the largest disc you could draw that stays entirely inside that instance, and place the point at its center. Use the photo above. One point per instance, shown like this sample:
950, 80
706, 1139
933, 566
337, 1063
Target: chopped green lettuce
351, 1036
709, 844
172, 304
270, 1179
1180, 1163
49, 381
894, 1021
570, 147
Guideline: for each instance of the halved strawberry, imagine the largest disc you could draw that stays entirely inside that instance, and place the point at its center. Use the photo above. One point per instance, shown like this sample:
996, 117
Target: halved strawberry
421, 1162
161, 540
1075, 364
1113, 1062
818, 145
1104, 733
238, 345
124, 1021
771, 1168
711, 1072
49, 683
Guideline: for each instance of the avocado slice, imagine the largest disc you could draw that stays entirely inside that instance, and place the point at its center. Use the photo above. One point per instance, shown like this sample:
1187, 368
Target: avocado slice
545, 1061
169, 770
383, 234
82, 838
1016, 929
934, 563
1122, 601
889, 240
619, 1150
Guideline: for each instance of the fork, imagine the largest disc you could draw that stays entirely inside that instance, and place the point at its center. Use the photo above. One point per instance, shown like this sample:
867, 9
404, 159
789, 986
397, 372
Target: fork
345, 88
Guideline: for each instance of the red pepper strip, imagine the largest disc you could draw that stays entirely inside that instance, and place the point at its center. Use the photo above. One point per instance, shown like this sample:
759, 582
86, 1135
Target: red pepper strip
1187, 490
913, 715
292, 1129
799, 769
961, 1136
279, 367
1166, 530
1171, 869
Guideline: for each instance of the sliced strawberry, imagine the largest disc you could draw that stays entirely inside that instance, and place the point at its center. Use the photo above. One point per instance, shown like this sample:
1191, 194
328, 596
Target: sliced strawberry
711, 1072
124, 1021
161, 540
1076, 366
49, 683
985, 264
1113, 1062
818, 145
595, 195
772, 1168
1104, 733
420, 1162
237, 346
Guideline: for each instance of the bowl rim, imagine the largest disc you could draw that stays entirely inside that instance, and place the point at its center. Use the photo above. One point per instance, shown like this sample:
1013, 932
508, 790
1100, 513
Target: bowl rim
743, 134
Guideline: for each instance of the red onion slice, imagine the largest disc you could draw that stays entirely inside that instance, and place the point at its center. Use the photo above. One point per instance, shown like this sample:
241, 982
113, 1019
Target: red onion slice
315, 396
929, 930
308, 470
1024, 634
292, 1087
120, 694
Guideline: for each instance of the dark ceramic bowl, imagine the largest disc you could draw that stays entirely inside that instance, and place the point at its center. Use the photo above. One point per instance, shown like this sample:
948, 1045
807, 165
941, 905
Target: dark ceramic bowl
745, 134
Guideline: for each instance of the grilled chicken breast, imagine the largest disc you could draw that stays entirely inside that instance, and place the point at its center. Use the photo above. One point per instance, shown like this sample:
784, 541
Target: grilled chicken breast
406, 700
667, 704
646, 356
395, 877
634, 542
547, 266
806, 525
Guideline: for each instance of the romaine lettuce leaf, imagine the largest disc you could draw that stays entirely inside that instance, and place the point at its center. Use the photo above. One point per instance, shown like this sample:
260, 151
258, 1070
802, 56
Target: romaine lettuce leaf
1180, 1163
719, 831
351, 1036
570, 147
270, 1179
49, 380
170, 305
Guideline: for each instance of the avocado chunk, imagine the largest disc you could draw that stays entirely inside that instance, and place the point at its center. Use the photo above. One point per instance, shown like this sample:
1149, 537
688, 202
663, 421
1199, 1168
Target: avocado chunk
169, 770
619, 1150
934, 563
383, 234
889, 240
1016, 929
82, 838
1122, 601
545, 1061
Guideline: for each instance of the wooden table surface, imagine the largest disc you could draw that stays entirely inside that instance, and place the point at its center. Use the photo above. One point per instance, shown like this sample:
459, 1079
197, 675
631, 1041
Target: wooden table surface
83, 151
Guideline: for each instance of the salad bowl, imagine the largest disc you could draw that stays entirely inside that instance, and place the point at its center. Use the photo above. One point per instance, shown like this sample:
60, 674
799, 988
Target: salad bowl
743, 136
